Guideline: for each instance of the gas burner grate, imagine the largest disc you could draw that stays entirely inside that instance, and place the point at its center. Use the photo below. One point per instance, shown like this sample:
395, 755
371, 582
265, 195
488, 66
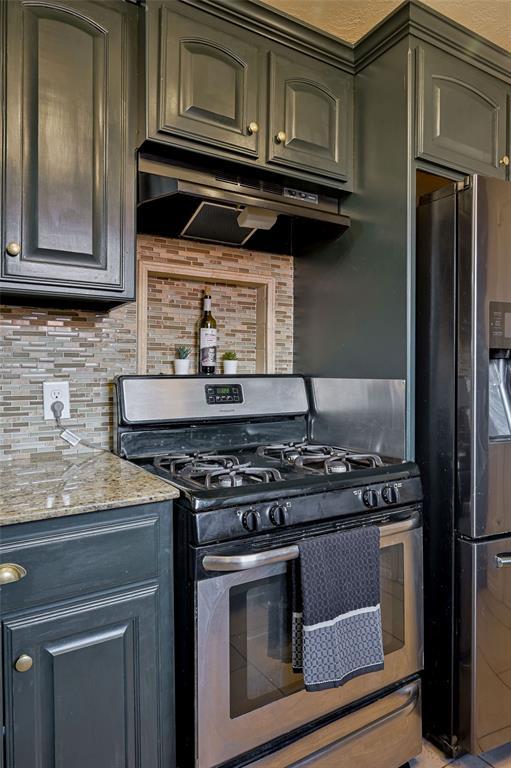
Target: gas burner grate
214, 470
332, 455
284, 452
337, 463
244, 474
187, 463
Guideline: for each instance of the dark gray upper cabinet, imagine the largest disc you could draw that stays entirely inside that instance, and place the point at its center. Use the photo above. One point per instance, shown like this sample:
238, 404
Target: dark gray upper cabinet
87, 641
227, 90
70, 140
207, 80
461, 114
311, 114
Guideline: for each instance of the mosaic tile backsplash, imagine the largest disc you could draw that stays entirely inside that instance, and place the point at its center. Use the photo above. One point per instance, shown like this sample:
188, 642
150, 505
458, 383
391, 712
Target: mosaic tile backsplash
90, 348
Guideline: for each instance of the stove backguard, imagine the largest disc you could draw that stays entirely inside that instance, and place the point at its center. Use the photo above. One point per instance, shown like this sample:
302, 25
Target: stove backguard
367, 415
147, 443
178, 399
168, 414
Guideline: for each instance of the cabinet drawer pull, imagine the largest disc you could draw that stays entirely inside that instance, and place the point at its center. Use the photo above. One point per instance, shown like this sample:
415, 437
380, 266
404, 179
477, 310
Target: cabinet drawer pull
504, 160
253, 127
23, 663
13, 249
280, 137
10, 572
503, 561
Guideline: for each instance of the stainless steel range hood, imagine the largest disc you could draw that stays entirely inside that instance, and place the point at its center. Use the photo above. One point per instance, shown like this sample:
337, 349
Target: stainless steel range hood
222, 207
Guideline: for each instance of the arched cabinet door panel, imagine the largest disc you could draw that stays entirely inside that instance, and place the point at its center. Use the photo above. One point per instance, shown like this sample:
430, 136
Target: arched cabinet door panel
208, 81
69, 148
311, 114
462, 114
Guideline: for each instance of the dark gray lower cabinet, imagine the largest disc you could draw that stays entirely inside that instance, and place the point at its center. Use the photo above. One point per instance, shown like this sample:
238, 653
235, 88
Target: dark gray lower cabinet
89, 698
68, 208
88, 679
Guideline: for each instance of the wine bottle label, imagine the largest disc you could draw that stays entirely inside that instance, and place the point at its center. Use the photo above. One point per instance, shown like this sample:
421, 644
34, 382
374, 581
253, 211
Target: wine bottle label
208, 338
207, 305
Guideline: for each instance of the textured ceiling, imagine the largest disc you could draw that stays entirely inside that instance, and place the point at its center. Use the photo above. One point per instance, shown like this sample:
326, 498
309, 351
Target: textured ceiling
351, 19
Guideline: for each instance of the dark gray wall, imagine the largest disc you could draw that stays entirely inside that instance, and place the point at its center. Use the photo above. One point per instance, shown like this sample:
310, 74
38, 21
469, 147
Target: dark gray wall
351, 295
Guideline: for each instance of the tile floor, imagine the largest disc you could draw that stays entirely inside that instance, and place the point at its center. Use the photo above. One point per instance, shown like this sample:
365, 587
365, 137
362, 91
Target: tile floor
431, 757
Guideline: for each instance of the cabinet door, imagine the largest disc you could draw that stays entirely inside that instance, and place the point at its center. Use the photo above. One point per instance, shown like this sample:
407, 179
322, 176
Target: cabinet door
461, 121
204, 86
90, 698
311, 115
70, 148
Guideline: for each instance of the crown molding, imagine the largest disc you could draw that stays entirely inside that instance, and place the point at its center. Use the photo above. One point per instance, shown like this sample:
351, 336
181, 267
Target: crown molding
411, 18
281, 28
415, 19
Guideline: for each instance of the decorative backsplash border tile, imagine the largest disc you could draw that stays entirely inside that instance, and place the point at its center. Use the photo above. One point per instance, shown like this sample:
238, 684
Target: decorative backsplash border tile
90, 348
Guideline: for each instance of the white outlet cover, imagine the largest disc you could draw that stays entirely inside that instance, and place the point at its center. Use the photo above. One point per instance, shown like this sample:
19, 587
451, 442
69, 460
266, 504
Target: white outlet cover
56, 391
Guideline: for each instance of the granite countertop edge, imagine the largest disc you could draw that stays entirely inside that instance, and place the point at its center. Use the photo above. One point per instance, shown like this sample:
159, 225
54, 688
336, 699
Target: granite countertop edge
50, 487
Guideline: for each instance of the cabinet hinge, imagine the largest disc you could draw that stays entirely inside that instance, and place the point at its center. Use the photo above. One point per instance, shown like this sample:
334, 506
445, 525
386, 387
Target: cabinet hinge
465, 184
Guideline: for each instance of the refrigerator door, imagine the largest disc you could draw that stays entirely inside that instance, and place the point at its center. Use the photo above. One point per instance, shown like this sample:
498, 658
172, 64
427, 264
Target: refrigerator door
484, 336
484, 692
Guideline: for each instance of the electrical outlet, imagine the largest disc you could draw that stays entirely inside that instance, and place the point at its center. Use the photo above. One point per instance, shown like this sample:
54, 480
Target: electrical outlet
56, 392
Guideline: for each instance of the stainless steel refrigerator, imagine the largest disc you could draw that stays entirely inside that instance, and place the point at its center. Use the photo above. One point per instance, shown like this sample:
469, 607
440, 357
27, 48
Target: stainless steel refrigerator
463, 422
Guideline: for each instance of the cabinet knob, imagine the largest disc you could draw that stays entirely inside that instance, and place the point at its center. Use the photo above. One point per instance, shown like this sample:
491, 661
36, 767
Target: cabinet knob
280, 137
23, 663
13, 249
504, 160
10, 572
253, 127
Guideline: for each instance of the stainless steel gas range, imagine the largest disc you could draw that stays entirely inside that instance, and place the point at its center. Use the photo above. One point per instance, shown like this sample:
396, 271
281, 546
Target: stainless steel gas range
253, 484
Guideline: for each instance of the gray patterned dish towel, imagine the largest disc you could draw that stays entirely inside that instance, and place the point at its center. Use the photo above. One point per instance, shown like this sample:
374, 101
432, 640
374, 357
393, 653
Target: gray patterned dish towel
336, 623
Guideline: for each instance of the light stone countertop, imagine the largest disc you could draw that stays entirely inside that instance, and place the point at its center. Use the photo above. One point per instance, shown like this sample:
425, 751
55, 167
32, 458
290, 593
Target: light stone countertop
40, 489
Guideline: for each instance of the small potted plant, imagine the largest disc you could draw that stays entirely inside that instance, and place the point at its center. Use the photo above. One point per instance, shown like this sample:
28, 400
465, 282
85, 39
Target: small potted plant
230, 363
182, 360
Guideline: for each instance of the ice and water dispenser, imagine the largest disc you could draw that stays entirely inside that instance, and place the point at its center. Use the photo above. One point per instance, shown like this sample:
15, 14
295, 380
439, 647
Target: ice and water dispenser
499, 422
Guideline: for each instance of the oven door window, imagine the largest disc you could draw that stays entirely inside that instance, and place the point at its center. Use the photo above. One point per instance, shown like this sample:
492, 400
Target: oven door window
260, 633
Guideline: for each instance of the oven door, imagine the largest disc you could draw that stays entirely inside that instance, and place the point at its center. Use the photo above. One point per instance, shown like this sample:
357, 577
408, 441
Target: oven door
246, 691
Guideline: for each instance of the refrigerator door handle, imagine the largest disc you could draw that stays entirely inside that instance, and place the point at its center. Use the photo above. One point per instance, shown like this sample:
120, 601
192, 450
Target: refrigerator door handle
503, 561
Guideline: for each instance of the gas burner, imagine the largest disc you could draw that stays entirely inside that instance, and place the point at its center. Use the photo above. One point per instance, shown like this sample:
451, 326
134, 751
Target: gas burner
242, 475
277, 450
285, 452
337, 462
187, 463
291, 452
232, 477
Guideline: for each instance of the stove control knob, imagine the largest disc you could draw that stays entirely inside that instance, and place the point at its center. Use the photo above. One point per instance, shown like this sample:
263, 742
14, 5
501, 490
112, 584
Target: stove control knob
370, 498
390, 494
278, 515
250, 520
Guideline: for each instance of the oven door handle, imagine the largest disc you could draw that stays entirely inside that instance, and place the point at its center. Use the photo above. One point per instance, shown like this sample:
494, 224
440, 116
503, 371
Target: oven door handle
283, 554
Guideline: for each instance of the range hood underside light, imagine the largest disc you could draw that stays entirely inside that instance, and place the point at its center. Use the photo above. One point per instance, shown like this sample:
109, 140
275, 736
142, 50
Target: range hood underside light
258, 218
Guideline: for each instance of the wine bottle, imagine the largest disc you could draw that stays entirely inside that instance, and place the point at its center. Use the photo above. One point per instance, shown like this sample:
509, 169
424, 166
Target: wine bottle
208, 339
